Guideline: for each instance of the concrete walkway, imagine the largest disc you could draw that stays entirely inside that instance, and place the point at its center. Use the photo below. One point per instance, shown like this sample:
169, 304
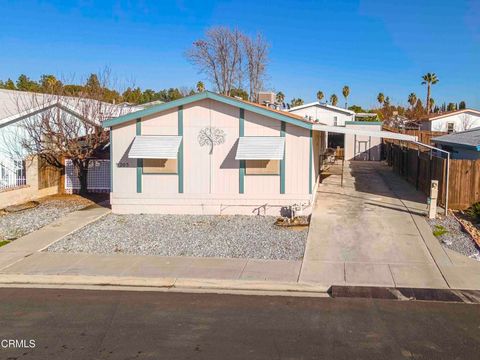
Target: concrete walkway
37, 240
372, 232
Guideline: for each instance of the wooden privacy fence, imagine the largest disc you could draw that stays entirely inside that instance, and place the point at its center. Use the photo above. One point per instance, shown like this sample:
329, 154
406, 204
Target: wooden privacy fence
48, 175
420, 168
464, 183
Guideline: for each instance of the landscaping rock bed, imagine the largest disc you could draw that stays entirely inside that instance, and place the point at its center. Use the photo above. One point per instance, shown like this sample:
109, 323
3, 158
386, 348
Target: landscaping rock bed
19, 223
188, 235
455, 238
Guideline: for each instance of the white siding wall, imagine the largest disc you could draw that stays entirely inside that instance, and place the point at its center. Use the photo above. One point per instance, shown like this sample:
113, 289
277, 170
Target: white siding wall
464, 121
124, 169
211, 182
353, 148
324, 115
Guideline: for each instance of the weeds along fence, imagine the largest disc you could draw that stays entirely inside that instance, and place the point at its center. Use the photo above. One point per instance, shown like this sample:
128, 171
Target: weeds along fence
420, 166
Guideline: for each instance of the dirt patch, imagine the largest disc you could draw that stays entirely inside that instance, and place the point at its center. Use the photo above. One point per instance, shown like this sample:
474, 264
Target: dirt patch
21, 207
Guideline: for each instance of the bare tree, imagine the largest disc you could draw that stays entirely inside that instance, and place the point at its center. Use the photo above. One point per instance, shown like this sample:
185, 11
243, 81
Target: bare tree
68, 127
218, 56
256, 53
227, 57
466, 122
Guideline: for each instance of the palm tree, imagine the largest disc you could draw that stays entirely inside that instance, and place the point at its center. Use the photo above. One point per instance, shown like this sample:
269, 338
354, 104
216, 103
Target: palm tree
346, 92
431, 104
412, 99
320, 95
334, 99
381, 98
429, 79
200, 86
280, 97
296, 102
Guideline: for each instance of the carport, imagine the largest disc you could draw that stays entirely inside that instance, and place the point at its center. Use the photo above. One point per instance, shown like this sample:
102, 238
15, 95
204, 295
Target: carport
400, 138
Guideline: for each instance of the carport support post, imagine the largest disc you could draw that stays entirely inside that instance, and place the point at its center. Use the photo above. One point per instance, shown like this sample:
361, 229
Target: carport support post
282, 162
446, 182
418, 167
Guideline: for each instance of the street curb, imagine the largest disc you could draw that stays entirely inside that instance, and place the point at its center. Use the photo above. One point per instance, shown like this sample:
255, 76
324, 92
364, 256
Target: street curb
162, 283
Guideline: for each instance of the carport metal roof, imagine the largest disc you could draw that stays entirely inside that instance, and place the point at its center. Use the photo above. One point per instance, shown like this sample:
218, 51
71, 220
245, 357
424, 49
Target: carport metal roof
373, 133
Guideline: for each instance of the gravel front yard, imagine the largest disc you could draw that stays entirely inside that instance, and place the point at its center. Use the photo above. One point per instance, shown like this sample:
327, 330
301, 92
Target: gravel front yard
16, 224
253, 237
455, 239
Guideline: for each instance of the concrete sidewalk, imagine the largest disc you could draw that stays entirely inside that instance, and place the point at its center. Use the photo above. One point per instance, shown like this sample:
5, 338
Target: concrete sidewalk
143, 266
372, 232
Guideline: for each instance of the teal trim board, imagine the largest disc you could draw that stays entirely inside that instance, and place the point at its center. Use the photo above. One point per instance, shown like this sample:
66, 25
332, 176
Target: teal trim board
258, 109
111, 160
139, 161
282, 162
180, 150
241, 170
310, 164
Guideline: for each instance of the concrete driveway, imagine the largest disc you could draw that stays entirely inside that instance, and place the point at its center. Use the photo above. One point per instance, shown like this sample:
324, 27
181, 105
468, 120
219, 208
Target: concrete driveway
370, 232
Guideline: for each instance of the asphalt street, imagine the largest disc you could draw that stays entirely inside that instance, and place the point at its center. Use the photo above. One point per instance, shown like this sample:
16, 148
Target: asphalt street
86, 324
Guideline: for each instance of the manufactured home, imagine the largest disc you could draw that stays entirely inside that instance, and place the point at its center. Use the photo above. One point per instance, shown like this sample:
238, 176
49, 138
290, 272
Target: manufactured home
213, 154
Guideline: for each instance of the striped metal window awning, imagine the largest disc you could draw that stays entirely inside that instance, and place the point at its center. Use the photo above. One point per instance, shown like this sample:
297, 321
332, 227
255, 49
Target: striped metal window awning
155, 147
260, 148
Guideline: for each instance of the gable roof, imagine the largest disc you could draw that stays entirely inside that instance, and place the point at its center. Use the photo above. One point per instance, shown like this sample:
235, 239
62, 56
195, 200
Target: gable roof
469, 139
323, 105
18, 105
436, 116
242, 104
38, 109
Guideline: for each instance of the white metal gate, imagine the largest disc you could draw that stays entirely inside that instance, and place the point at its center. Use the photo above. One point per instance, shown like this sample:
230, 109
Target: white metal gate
98, 179
12, 174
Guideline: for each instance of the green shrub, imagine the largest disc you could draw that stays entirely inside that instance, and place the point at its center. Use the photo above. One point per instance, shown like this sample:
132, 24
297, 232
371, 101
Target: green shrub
439, 230
4, 242
474, 211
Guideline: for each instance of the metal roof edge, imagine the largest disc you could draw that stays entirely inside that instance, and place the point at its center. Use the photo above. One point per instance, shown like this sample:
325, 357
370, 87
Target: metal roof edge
200, 96
454, 144
363, 122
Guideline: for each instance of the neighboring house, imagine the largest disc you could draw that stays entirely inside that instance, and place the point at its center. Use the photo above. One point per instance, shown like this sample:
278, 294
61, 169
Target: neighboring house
324, 113
452, 121
461, 145
24, 177
213, 154
352, 147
